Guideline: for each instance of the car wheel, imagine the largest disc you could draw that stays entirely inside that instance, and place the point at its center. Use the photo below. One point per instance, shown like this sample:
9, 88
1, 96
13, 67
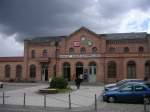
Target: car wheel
111, 99
147, 100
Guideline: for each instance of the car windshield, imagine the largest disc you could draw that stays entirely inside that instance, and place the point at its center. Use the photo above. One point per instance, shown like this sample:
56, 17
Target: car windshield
128, 80
121, 82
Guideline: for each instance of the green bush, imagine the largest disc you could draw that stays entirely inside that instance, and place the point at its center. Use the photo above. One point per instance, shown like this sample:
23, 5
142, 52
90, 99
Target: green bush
59, 82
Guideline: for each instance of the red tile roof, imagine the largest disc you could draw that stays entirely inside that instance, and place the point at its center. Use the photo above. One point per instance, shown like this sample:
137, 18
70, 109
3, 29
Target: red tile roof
11, 59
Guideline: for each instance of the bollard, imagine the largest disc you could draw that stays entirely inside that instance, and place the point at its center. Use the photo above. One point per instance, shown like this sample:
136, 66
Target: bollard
145, 104
24, 100
3, 98
144, 107
44, 101
69, 101
95, 103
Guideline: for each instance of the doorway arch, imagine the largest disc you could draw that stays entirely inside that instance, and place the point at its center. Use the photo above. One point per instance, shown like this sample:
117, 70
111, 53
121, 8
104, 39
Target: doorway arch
147, 69
66, 71
79, 69
32, 71
18, 72
131, 70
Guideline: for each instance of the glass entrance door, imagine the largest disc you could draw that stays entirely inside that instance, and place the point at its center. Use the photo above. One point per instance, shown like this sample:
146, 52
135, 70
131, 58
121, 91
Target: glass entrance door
92, 72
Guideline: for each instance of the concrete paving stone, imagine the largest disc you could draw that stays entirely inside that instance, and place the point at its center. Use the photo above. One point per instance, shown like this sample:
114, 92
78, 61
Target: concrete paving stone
82, 101
79, 98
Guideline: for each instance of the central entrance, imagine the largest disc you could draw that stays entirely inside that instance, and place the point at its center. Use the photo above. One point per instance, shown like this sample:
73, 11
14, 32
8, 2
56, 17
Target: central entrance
92, 72
79, 69
44, 71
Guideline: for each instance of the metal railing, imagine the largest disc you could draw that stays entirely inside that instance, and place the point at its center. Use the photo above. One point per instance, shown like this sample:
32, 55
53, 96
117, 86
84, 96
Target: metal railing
27, 98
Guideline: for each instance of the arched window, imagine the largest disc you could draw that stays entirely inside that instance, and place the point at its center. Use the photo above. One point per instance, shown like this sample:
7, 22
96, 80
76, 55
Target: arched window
33, 54
32, 71
147, 69
131, 70
71, 50
66, 71
79, 65
141, 49
111, 49
82, 50
94, 50
18, 72
45, 52
126, 49
7, 71
111, 69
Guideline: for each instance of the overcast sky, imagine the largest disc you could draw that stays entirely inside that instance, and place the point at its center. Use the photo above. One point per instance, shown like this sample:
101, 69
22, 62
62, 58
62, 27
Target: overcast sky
20, 19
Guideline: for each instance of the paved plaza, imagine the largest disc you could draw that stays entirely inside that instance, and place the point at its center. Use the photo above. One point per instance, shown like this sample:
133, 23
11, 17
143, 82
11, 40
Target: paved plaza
82, 97
82, 100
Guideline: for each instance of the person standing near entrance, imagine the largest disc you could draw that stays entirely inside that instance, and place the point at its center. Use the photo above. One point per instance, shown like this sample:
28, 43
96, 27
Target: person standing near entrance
77, 81
50, 79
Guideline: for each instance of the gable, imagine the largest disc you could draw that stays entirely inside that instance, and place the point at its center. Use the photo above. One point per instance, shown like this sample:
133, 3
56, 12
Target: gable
81, 30
83, 37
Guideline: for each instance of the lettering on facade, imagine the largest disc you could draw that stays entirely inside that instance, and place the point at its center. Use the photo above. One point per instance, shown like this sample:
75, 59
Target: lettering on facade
80, 56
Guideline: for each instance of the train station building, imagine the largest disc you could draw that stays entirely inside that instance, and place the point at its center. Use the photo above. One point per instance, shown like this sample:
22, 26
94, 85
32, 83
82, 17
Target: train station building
99, 57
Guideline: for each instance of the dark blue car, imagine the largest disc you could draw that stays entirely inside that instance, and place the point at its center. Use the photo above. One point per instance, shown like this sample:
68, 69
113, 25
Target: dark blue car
129, 92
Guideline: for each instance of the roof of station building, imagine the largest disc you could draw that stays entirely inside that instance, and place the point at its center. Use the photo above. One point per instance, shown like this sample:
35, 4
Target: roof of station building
11, 59
107, 36
118, 36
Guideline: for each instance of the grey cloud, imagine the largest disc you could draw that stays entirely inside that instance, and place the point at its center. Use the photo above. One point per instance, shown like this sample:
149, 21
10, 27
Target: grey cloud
29, 17
60, 17
111, 9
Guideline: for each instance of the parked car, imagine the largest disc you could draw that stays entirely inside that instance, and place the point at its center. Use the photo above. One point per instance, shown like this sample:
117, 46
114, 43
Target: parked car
1, 84
129, 92
119, 83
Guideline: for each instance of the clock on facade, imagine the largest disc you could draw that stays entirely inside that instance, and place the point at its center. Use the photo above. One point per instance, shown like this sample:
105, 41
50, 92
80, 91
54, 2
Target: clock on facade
90, 43
85, 41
